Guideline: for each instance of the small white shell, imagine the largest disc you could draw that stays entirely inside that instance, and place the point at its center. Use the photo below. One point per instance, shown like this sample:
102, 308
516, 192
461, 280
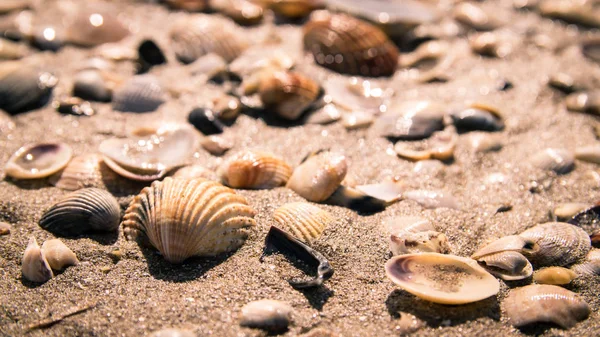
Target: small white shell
34, 266
440, 146
172, 332
38, 160
58, 254
303, 220
269, 315
319, 176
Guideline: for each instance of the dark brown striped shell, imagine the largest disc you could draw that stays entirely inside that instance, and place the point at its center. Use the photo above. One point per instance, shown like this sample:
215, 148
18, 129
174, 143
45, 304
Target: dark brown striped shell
349, 46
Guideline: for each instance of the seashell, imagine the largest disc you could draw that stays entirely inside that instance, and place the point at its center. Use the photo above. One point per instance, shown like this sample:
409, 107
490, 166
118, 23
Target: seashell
243, 12
23, 88
411, 121
58, 254
303, 220
474, 17
198, 35
294, 9
564, 212
590, 48
269, 315
544, 303
590, 153
558, 160
478, 117
505, 244
188, 5
254, 169
588, 219
586, 101
440, 146
590, 266
5, 228
81, 172
319, 176
565, 83
117, 52
354, 199
555, 244
172, 332
431, 60
288, 94
216, 145
205, 219
255, 60
440, 278
8, 6
93, 27
507, 265
387, 191
194, 172
349, 46
91, 84
485, 142
206, 121
141, 93
583, 13
82, 211
73, 106
490, 44
432, 199
149, 55
34, 266
554, 276
410, 224
419, 242
354, 94
357, 120
430, 50
227, 107
38, 160
328, 114
11, 50
150, 157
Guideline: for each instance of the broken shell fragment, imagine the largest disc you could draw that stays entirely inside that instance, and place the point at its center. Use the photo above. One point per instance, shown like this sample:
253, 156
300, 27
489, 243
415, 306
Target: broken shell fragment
485, 142
141, 93
270, 315
507, 265
439, 146
38, 160
184, 218
554, 276
544, 303
34, 266
288, 94
566, 211
440, 278
303, 220
419, 242
559, 161
254, 169
388, 191
58, 254
586, 101
172, 332
411, 224
5, 228
82, 211
319, 176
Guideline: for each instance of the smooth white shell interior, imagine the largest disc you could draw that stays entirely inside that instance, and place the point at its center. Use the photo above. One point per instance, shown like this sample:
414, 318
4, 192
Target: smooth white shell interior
38, 160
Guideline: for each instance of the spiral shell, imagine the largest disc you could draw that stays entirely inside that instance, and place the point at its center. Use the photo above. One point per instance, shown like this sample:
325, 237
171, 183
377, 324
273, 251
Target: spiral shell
142, 93
23, 88
38, 160
185, 218
82, 211
288, 94
254, 169
303, 220
34, 265
58, 255
349, 46
319, 176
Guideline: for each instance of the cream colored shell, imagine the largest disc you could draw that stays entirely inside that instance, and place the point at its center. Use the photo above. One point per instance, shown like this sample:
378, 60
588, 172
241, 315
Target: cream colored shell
319, 176
303, 220
34, 266
58, 254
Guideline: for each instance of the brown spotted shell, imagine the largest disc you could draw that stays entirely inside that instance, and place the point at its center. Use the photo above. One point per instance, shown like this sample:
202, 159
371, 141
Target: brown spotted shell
287, 93
184, 218
349, 46
303, 220
254, 169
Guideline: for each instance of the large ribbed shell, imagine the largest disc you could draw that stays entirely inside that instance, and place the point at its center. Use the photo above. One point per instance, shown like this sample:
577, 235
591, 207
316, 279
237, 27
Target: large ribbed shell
183, 218
349, 46
288, 93
556, 244
319, 176
196, 36
254, 169
303, 220
83, 211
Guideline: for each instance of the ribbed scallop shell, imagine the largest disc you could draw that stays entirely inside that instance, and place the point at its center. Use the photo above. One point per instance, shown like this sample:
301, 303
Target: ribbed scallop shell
303, 220
184, 218
319, 176
288, 93
555, 244
23, 88
200, 34
254, 169
349, 46
38, 160
141, 93
81, 172
83, 211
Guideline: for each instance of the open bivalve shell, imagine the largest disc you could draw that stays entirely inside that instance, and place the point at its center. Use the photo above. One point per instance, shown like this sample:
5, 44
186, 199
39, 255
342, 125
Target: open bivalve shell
303, 220
185, 218
254, 169
439, 278
38, 160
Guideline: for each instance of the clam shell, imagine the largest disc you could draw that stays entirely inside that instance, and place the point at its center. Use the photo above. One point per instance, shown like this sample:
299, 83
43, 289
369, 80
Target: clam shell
193, 172
34, 266
586, 101
477, 118
507, 265
484, 142
554, 276
206, 121
508, 243
555, 244
349, 46
440, 278
440, 146
288, 94
357, 120
411, 121
432, 199
254, 169
81, 172
185, 218
590, 266
58, 255
23, 88
419, 242
216, 145
473, 16
93, 27
198, 35
558, 160
269, 315
38, 160
82, 211
141, 93
303, 220
319, 176
544, 303
590, 153
388, 191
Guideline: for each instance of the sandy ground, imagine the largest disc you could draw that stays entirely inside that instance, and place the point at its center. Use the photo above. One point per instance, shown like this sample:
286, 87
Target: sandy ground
142, 293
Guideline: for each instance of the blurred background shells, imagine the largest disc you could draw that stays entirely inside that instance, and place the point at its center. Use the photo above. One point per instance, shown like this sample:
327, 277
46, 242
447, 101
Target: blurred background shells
23, 88
10, 50
411, 120
92, 84
590, 266
591, 49
560, 161
195, 171
585, 101
34, 265
289, 94
243, 12
81, 172
38, 160
170, 215
318, 176
142, 93
58, 255
83, 211
293, 9
188, 5
478, 117
94, 26
303, 220
254, 169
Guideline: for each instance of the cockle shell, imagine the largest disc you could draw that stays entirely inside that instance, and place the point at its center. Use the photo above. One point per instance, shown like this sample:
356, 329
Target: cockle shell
440, 278
554, 276
201, 34
544, 303
23, 88
411, 120
185, 218
585, 101
558, 160
38, 160
590, 266
34, 266
288, 94
303, 220
419, 242
349, 46
319, 176
141, 93
440, 146
81, 172
507, 265
90, 27
254, 169
555, 244
269, 315
58, 254
82, 211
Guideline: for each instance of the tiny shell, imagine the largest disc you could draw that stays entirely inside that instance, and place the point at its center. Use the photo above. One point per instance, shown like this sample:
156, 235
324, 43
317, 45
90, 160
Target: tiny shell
188, 5
58, 254
440, 278
216, 145
23, 88
440, 146
411, 224
558, 160
590, 266
38, 160
227, 107
419, 242
586, 101
206, 121
507, 265
590, 153
90, 84
554, 275
432, 199
254, 169
34, 266
544, 303
82, 211
319, 176
81, 172
288, 94
269, 315
411, 120
5, 228
92, 27
303, 220
141, 93
195, 171
485, 142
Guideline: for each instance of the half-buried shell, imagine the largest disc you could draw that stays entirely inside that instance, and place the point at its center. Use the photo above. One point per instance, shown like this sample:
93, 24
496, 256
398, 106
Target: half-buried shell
585, 101
254, 169
554, 276
34, 265
440, 278
507, 265
303, 220
559, 161
58, 255
590, 266
319, 176
185, 218
38, 160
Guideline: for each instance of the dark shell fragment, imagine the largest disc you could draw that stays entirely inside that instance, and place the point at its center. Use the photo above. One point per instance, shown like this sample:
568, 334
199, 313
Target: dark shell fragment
206, 121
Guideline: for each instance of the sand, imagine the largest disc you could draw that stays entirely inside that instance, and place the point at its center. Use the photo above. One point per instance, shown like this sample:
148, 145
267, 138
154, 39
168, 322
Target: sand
142, 293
